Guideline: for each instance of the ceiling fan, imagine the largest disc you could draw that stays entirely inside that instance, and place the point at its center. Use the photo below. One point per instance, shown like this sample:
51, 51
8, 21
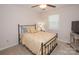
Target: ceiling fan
43, 6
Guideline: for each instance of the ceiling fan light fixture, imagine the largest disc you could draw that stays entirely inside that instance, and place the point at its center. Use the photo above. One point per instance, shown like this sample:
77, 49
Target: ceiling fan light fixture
42, 6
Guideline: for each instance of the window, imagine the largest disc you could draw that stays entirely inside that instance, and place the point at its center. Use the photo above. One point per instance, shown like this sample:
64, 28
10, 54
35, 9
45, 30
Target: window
53, 22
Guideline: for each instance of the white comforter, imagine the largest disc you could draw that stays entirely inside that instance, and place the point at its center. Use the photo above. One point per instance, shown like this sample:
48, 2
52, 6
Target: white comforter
33, 40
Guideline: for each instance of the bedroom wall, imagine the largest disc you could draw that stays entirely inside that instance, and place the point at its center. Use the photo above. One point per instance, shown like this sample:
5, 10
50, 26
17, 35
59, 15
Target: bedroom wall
10, 17
67, 15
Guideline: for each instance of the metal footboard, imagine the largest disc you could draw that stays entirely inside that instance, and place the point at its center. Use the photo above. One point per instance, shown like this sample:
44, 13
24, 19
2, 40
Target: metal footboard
49, 46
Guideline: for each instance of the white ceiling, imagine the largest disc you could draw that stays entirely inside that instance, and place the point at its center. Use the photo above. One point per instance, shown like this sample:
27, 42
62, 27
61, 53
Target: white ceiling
38, 10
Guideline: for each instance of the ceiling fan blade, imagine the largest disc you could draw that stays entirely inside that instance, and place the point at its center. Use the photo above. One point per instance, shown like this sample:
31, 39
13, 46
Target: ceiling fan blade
35, 6
51, 5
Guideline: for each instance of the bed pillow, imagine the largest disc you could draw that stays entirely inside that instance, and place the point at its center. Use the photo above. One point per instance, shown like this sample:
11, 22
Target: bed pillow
31, 29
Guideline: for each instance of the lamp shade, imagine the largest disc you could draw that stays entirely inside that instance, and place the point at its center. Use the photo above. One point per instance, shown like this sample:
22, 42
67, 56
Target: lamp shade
40, 26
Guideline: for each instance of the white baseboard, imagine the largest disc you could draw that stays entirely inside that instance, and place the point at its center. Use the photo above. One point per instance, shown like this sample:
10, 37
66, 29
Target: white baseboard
17, 43
8, 46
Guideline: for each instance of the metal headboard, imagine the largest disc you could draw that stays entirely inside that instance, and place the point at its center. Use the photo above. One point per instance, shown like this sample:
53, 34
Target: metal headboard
23, 29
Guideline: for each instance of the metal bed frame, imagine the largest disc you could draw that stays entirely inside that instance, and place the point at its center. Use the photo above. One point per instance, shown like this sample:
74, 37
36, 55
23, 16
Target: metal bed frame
46, 48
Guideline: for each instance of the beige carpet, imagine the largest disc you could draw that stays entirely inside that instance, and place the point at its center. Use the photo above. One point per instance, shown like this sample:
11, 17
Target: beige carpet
61, 49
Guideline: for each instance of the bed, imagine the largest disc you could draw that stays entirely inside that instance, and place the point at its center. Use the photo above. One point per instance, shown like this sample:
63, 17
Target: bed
38, 43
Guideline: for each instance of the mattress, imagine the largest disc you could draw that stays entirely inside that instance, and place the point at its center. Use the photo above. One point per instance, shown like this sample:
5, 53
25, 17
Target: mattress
33, 40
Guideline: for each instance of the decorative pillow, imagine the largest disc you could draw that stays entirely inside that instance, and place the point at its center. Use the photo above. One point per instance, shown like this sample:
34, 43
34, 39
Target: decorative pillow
31, 29
28, 29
